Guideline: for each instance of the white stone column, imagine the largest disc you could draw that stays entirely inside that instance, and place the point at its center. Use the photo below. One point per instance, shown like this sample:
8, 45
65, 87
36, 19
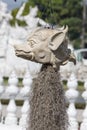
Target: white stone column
0, 112
1, 92
12, 91
1, 86
84, 122
27, 82
24, 114
71, 95
25, 91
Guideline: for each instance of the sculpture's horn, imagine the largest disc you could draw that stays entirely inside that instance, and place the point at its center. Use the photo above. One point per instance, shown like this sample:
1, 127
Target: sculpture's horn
65, 29
60, 29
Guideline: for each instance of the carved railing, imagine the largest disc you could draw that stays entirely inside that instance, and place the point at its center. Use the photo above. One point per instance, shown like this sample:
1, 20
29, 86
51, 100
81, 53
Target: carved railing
11, 114
16, 111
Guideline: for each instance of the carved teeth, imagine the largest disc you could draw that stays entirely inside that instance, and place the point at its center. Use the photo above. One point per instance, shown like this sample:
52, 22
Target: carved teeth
32, 55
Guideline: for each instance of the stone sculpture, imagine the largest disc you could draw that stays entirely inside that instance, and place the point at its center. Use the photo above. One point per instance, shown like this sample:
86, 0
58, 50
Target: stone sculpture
46, 46
47, 103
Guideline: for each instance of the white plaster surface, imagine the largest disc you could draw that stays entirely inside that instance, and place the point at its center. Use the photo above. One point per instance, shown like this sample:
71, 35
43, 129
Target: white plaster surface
10, 127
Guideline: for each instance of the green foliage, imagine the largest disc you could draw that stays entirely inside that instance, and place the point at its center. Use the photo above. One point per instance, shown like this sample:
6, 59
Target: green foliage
27, 8
77, 43
19, 22
14, 12
25, 12
62, 12
57, 12
74, 24
14, 20
48, 10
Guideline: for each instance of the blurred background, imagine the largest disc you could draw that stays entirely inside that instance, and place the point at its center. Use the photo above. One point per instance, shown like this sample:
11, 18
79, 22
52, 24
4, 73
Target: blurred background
18, 18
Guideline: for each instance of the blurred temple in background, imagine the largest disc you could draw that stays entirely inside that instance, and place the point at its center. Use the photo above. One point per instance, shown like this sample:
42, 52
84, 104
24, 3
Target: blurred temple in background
10, 35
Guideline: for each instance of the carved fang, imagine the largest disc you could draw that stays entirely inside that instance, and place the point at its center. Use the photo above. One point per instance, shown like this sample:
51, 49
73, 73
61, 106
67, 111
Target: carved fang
32, 56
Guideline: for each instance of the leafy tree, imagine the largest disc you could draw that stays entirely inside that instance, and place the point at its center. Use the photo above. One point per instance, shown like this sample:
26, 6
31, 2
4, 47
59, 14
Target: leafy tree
62, 12
57, 12
14, 20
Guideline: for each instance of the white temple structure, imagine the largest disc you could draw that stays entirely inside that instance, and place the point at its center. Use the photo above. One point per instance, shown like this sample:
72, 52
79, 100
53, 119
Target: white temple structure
16, 35
31, 19
4, 32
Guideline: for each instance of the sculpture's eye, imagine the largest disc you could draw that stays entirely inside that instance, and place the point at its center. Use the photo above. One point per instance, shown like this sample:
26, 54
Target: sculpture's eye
31, 43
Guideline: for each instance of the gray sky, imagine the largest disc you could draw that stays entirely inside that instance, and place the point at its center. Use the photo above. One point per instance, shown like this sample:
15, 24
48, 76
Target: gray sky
12, 4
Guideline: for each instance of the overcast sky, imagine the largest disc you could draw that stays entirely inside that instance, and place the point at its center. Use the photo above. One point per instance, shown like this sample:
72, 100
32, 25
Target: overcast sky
12, 4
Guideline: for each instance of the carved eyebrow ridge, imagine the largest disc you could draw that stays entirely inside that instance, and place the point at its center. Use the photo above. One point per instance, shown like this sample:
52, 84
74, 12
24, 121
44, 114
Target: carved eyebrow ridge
30, 41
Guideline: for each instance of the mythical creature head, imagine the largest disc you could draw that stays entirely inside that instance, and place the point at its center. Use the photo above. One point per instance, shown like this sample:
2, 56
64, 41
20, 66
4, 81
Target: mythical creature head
46, 46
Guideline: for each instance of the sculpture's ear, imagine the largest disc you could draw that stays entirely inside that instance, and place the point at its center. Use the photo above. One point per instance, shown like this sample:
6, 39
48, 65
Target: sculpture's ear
57, 39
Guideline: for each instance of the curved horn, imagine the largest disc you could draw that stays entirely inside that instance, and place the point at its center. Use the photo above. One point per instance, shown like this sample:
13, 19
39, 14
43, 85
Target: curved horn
60, 29
66, 29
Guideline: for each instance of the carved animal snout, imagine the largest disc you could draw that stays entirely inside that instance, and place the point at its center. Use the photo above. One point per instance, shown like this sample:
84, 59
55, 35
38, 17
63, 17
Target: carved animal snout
24, 52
